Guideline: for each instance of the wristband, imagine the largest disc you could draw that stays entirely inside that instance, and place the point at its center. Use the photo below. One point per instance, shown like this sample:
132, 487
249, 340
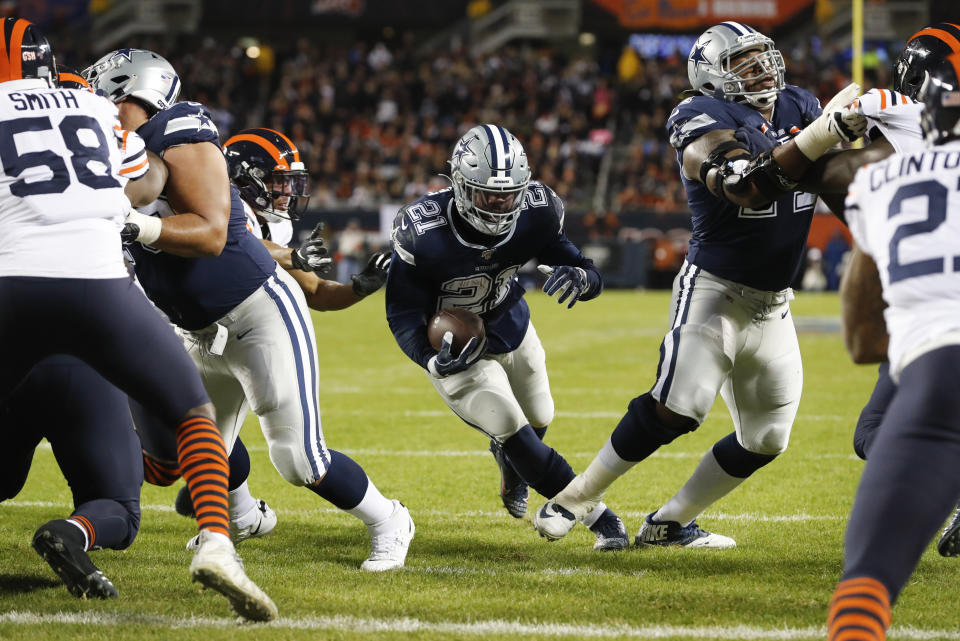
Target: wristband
150, 226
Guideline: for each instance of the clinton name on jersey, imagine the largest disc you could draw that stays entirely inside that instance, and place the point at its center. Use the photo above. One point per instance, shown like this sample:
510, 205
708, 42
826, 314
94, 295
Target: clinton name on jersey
435, 266
905, 212
61, 188
195, 292
760, 248
893, 115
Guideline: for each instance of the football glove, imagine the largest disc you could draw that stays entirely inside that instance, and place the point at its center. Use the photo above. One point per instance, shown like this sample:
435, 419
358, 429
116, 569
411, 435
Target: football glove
312, 256
567, 281
837, 122
443, 362
373, 276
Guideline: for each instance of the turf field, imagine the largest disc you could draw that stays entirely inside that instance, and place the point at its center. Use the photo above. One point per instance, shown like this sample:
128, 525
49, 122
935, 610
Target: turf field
474, 572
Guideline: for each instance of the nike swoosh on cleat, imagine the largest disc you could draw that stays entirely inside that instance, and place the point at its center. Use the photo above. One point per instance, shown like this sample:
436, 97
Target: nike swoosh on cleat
784, 315
559, 510
240, 335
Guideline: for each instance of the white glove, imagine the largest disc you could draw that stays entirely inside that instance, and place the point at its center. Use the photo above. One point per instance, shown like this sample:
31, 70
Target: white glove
140, 228
837, 122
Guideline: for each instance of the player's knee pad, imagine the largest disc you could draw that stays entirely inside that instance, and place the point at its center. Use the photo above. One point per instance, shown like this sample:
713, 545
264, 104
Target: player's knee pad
736, 460
540, 410
641, 431
493, 412
771, 440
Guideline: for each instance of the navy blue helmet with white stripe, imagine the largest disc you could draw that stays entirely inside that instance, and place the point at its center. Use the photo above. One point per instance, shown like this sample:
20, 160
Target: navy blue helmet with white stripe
136, 73
490, 175
711, 72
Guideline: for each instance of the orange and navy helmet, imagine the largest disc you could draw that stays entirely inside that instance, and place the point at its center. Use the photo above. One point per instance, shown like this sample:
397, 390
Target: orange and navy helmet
924, 50
266, 167
25, 52
940, 94
69, 78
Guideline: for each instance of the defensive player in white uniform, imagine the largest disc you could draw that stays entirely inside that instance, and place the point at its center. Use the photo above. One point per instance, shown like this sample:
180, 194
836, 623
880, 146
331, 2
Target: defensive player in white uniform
893, 125
244, 322
904, 214
62, 270
265, 167
742, 142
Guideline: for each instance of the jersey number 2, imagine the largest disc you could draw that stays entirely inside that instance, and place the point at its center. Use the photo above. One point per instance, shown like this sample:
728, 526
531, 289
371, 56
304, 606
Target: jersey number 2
936, 195
81, 155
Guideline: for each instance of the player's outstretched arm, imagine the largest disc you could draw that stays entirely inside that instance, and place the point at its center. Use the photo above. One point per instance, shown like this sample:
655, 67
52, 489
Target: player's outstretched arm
862, 305
199, 191
730, 171
832, 173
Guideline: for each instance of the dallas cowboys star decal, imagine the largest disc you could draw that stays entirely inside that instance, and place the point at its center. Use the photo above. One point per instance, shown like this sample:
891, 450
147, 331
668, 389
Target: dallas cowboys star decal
463, 149
697, 56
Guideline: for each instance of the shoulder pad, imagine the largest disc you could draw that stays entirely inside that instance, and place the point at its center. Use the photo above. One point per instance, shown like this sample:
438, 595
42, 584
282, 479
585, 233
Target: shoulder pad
403, 237
696, 116
806, 102
133, 150
181, 124
544, 203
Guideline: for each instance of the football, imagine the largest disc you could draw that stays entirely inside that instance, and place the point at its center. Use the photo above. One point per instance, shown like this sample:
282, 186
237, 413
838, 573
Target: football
463, 324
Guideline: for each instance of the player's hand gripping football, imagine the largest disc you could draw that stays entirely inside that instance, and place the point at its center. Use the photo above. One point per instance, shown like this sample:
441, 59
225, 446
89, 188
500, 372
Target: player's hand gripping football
568, 282
373, 276
312, 255
445, 364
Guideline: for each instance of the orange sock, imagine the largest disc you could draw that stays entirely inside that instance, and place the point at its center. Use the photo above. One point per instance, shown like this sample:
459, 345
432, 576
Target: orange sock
158, 472
859, 611
205, 468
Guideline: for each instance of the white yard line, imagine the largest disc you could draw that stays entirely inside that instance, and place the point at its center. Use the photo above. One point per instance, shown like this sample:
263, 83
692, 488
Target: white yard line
479, 628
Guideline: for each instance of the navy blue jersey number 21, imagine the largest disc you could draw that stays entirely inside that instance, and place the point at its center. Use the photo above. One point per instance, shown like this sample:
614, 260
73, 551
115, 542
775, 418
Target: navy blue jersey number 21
936, 195
81, 155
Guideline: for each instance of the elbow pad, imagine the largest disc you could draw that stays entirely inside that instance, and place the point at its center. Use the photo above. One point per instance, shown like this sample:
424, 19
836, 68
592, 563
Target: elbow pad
718, 159
767, 176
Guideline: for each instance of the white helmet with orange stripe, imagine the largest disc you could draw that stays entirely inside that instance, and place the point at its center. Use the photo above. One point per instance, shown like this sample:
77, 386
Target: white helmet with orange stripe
265, 166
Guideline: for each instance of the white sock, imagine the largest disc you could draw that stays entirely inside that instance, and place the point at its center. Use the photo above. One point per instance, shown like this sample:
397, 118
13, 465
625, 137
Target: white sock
598, 511
373, 508
584, 492
708, 485
241, 502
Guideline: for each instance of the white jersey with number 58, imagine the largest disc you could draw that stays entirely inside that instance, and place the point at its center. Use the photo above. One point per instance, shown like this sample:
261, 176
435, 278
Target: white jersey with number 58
904, 211
61, 188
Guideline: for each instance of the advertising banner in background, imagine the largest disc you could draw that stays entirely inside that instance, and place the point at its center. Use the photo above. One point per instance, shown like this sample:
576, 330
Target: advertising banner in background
695, 14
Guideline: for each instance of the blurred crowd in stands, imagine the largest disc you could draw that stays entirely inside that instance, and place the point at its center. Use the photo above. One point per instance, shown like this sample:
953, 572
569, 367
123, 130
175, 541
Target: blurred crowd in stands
375, 123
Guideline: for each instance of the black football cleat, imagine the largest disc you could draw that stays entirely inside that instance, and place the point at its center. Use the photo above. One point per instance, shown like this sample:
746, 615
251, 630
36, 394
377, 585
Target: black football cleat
61, 546
184, 504
949, 543
610, 532
513, 489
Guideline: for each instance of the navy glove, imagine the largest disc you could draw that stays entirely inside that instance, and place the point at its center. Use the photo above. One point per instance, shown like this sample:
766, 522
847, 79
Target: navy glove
567, 281
444, 364
312, 256
373, 276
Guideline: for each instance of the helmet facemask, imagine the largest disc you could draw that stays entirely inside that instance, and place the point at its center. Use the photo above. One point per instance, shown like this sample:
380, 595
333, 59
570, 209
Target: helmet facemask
767, 63
490, 209
280, 194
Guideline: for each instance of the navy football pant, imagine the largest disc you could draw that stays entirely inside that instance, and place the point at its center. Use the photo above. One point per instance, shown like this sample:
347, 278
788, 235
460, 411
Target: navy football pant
910, 482
109, 324
873, 411
88, 425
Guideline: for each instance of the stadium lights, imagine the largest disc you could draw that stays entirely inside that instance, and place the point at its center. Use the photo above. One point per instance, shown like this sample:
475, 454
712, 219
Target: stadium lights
587, 39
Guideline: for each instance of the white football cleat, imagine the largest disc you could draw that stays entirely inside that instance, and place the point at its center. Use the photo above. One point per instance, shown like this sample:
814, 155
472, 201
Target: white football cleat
553, 521
665, 533
217, 566
261, 521
390, 540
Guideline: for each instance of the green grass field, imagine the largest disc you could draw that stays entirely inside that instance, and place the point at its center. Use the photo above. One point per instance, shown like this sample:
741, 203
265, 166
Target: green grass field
473, 571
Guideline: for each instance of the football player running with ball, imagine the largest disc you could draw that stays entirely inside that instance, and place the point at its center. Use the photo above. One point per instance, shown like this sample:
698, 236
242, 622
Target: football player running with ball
904, 214
243, 320
461, 247
742, 143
